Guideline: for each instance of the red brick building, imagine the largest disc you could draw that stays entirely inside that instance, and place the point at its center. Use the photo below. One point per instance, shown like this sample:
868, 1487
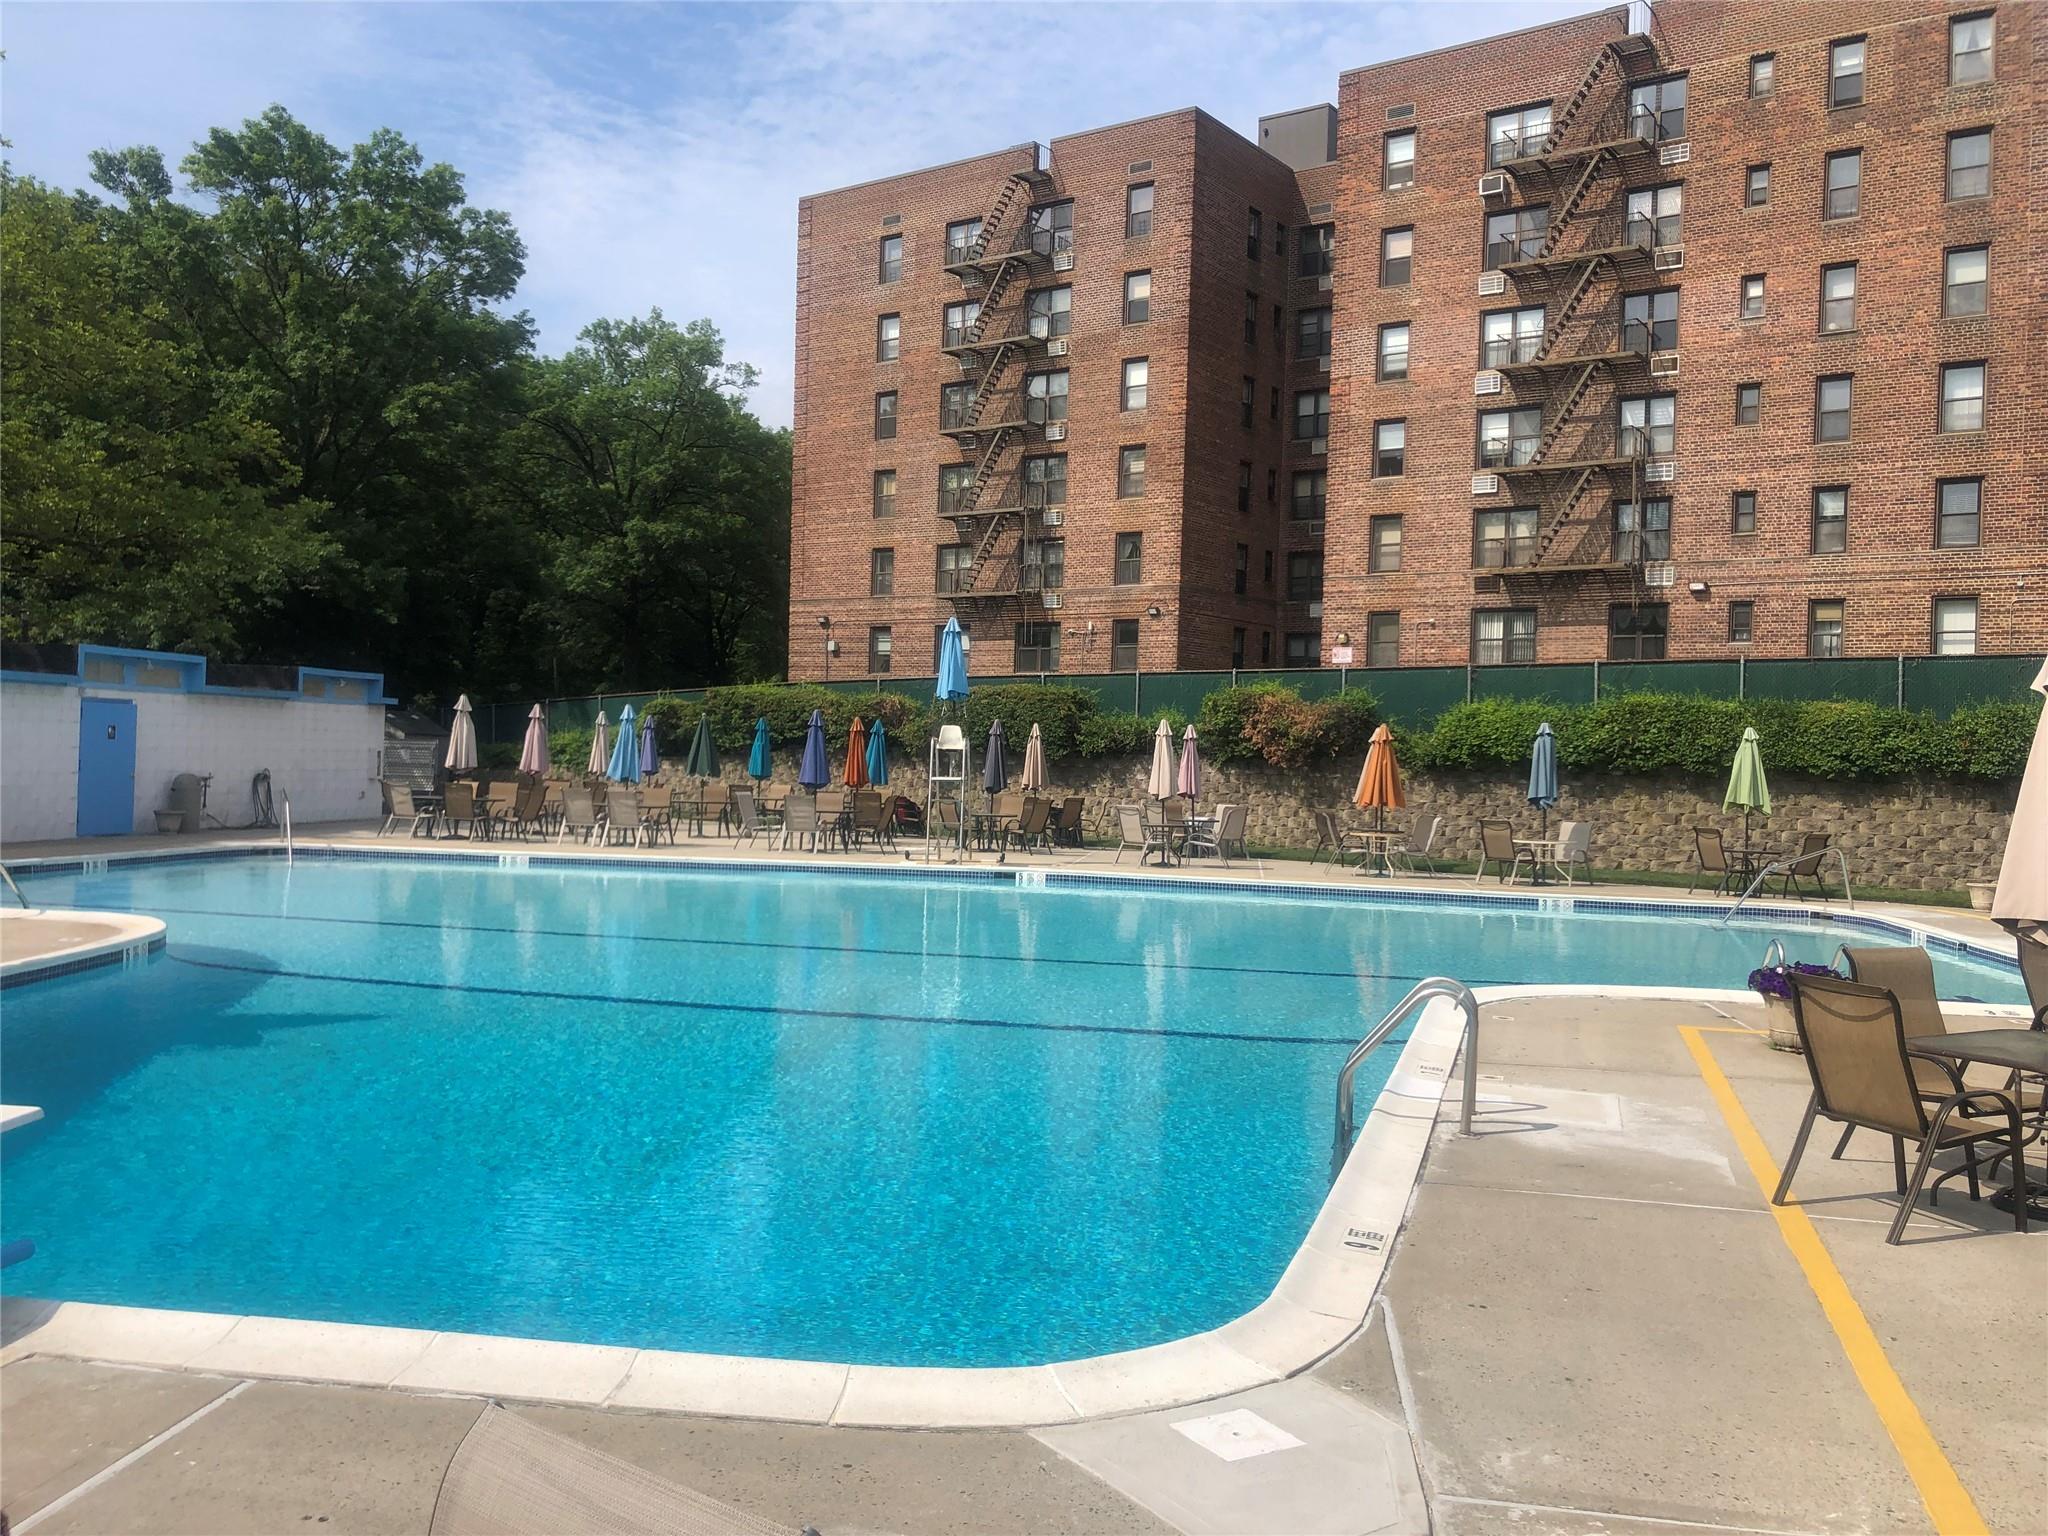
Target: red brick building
1701, 332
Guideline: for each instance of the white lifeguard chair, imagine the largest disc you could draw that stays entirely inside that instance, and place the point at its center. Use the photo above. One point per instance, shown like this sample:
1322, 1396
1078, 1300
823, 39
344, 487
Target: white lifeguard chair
946, 782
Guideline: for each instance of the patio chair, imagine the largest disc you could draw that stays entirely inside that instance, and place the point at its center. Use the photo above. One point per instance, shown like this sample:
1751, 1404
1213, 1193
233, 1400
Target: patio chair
657, 804
459, 807
1812, 848
1222, 835
869, 816
625, 817
716, 801
404, 809
1423, 832
1134, 831
746, 816
1333, 839
580, 815
1712, 856
799, 820
1173, 812
2034, 972
1067, 825
1907, 972
945, 821
1855, 1045
1009, 804
529, 809
1575, 846
1497, 847
1029, 827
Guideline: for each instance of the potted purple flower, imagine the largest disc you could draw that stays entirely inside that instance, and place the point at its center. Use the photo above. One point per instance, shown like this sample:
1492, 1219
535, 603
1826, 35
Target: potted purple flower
1772, 983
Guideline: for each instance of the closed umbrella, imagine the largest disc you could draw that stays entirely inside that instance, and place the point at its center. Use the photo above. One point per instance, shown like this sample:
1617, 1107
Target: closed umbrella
1190, 780
624, 766
461, 739
650, 760
814, 773
1543, 773
761, 760
701, 761
995, 761
1379, 781
952, 662
533, 755
1748, 790
2021, 902
878, 755
856, 774
1160, 782
600, 747
1032, 780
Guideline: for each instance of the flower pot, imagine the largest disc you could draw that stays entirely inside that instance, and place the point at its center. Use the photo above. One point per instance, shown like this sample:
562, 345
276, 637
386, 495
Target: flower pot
1783, 1033
1981, 892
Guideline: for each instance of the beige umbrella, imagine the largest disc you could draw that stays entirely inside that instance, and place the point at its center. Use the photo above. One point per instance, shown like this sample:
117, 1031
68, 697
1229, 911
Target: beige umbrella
2022, 899
1160, 783
461, 739
600, 747
1033, 780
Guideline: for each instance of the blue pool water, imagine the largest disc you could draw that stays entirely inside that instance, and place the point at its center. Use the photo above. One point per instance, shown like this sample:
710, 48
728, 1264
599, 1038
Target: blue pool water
899, 1121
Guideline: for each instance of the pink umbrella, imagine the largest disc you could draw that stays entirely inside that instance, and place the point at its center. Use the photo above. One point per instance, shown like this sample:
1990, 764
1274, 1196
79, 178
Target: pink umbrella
1190, 767
533, 756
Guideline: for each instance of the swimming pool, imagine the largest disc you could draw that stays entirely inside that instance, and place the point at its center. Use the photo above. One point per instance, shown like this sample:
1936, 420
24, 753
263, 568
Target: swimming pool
880, 1120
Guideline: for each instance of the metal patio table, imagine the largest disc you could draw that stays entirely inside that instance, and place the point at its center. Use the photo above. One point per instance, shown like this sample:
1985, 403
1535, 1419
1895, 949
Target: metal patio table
2020, 1050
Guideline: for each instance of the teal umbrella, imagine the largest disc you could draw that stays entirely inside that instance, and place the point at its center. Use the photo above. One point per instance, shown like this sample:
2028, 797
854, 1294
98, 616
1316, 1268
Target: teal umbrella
1543, 773
625, 764
760, 761
878, 755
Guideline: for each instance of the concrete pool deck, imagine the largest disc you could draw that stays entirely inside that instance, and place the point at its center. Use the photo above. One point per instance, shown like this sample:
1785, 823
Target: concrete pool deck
1592, 1321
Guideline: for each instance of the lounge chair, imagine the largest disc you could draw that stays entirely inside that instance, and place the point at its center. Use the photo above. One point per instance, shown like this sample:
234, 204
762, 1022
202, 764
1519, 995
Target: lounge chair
1575, 846
579, 815
1497, 847
1029, 827
799, 820
746, 816
1134, 831
1223, 834
1863, 1075
1712, 856
1423, 832
1812, 848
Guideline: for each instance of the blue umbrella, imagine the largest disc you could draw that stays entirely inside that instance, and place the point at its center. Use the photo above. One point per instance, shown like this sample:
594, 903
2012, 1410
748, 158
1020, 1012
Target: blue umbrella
760, 764
625, 763
650, 760
952, 662
995, 768
815, 773
1543, 773
878, 755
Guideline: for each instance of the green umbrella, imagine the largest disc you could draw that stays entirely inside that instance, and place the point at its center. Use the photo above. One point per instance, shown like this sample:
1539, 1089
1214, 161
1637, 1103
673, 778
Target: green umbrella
702, 759
1747, 788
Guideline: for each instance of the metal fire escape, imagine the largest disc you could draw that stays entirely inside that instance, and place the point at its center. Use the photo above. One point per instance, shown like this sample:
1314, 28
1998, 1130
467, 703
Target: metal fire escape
999, 414
1581, 168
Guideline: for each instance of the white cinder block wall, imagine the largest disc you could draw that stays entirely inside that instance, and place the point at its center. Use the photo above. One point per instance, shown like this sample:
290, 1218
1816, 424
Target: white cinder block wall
324, 755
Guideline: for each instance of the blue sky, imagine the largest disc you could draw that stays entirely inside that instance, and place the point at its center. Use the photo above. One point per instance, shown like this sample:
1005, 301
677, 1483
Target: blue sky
653, 154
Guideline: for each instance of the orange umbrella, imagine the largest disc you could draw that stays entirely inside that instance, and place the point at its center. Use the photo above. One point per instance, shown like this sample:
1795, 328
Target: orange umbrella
1379, 781
857, 755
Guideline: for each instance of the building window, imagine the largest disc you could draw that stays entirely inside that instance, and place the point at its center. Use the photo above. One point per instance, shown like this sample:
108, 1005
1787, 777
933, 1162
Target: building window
953, 560
1969, 49
885, 493
1269, 568
1635, 631
1236, 648
1509, 437
1838, 297
1265, 647
1844, 193
881, 572
1051, 227
1742, 512
1137, 297
1389, 448
1964, 289
1749, 404
1393, 357
1656, 111
955, 480
1958, 507
1049, 311
1311, 490
1649, 425
1510, 336
1137, 374
1036, 649
879, 644
1830, 519
1503, 537
1244, 486
1272, 485
1763, 73
1516, 235
1397, 162
1969, 164
1045, 561
1383, 555
1824, 627
1304, 575
1123, 645
963, 241
1757, 186
1280, 329
1845, 73
954, 399
1655, 216
1045, 480
1241, 569
1503, 636
1962, 397
1138, 210
1383, 639
1517, 133
1833, 398
1751, 306
1643, 533
956, 320
1397, 256
1741, 621
1045, 397
1304, 648
1130, 470
1249, 403
885, 414
1955, 626
1254, 235
888, 338
1312, 415
889, 268
1251, 319
1312, 332
1318, 250
1273, 402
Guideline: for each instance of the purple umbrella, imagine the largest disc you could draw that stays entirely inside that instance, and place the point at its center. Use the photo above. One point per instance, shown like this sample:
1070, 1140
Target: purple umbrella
650, 760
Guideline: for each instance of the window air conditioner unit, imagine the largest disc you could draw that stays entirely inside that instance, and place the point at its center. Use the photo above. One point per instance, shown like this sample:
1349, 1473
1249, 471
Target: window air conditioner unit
1675, 153
1050, 599
1492, 283
1668, 258
1063, 261
1486, 382
1052, 517
1485, 485
1315, 610
1663, 364
1323, 363
1319, 445
1660, 471
1055, 431
1323, 283
1659, 573
1315, 529
1057, 347
1494, 184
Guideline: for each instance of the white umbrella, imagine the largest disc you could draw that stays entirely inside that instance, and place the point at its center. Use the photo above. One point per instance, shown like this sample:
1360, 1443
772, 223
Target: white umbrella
2022, 899
600, 747
1033, 779
461, 739
1160, 784
533, 755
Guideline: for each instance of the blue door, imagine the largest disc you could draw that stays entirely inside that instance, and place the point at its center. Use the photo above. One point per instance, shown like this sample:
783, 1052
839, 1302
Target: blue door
106, 767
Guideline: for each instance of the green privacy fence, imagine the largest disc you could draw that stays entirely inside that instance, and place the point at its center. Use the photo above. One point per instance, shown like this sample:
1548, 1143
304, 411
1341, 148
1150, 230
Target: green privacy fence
1415, 696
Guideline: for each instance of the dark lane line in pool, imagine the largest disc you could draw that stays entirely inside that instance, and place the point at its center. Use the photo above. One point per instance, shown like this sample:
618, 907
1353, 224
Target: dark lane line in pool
693, 1006
823, 949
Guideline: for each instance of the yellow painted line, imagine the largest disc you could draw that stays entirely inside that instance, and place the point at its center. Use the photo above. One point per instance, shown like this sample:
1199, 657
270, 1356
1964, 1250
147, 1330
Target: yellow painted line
1948, 1501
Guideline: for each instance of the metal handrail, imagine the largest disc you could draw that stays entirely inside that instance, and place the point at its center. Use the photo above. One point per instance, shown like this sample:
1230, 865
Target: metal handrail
1779, 868
1434, 986
288, 847
7, 876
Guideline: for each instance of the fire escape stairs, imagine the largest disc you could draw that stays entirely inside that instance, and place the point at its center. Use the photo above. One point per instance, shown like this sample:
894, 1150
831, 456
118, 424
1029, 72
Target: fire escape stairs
1572, 202
986, 390
1553, 333
1566, 404
1562, 123
1562, 518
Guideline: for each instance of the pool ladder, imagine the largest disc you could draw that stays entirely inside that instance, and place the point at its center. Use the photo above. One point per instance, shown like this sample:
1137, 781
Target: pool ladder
1434, 986
1841, 859
7, 875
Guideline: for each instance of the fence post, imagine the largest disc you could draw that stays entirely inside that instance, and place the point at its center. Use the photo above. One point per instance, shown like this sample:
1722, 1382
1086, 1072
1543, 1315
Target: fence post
1468, 682
1137, 693
1899, 694
1343, 680
1741, 676
1596, 680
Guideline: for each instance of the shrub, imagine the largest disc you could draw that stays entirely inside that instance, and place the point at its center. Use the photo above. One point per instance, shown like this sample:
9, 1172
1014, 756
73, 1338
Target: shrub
1107, 735
1283, 728
498, 755
675, 722
1991, 741
1055, 709
568, 750
1220, 725
1347, 721
1487, 733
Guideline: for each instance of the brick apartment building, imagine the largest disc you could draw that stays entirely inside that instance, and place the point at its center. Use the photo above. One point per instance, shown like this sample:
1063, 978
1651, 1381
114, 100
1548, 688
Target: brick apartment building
1698, 331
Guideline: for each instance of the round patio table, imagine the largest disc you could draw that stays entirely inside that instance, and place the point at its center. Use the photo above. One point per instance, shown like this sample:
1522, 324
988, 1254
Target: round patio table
2021, 1050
